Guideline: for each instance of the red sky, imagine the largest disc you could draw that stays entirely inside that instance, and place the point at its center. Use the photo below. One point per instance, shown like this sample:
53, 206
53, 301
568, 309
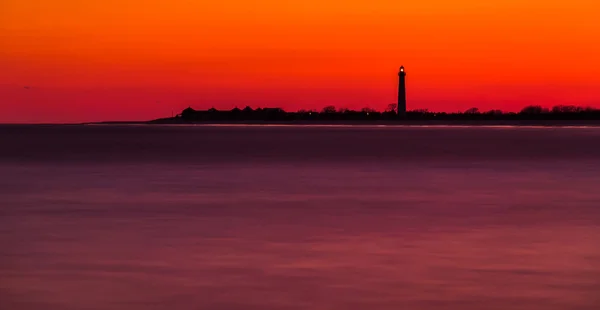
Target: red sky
140, 59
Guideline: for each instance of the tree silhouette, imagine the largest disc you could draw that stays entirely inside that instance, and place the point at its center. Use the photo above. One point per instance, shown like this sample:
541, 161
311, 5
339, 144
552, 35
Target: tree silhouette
567, 109
533, 109
392, 107
494, 112
329, 109
532, 112
472, 111
368, 110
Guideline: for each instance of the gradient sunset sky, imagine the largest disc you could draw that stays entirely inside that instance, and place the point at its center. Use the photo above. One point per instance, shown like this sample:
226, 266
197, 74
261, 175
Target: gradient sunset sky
141, 59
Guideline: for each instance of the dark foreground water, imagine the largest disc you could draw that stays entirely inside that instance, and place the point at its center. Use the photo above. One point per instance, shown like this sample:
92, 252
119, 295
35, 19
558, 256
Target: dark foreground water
138, 217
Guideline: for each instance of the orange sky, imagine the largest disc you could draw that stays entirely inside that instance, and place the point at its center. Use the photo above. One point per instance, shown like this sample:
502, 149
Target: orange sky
139, 59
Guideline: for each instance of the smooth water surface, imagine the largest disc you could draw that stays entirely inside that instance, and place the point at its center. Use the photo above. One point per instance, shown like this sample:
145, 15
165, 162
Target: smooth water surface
172, 217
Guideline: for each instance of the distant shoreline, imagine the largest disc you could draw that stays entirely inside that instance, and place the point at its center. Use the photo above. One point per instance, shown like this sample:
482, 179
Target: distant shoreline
385, 123
340, 123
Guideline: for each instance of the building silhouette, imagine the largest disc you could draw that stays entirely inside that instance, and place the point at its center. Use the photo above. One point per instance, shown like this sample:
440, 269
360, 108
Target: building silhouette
401, 92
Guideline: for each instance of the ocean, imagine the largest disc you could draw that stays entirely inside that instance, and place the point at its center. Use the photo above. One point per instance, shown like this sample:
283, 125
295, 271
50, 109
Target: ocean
299, 217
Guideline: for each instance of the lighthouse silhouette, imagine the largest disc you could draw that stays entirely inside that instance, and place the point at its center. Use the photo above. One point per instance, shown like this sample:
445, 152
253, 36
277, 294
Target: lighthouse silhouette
401, 92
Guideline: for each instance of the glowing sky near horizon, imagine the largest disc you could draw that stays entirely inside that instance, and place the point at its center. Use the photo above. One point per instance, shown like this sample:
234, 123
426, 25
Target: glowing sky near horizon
140, 59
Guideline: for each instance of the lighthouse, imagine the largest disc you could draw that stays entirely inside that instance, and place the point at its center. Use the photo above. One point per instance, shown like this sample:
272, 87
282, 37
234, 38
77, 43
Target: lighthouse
401, 92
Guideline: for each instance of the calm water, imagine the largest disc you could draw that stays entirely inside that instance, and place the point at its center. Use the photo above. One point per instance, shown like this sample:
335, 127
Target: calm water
137, 217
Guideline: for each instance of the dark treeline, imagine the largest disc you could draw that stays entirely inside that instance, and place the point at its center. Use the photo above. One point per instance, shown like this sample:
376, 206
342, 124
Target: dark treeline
330, 113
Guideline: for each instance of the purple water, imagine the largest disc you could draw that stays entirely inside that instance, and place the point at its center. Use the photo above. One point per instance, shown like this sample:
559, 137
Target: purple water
138, 217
